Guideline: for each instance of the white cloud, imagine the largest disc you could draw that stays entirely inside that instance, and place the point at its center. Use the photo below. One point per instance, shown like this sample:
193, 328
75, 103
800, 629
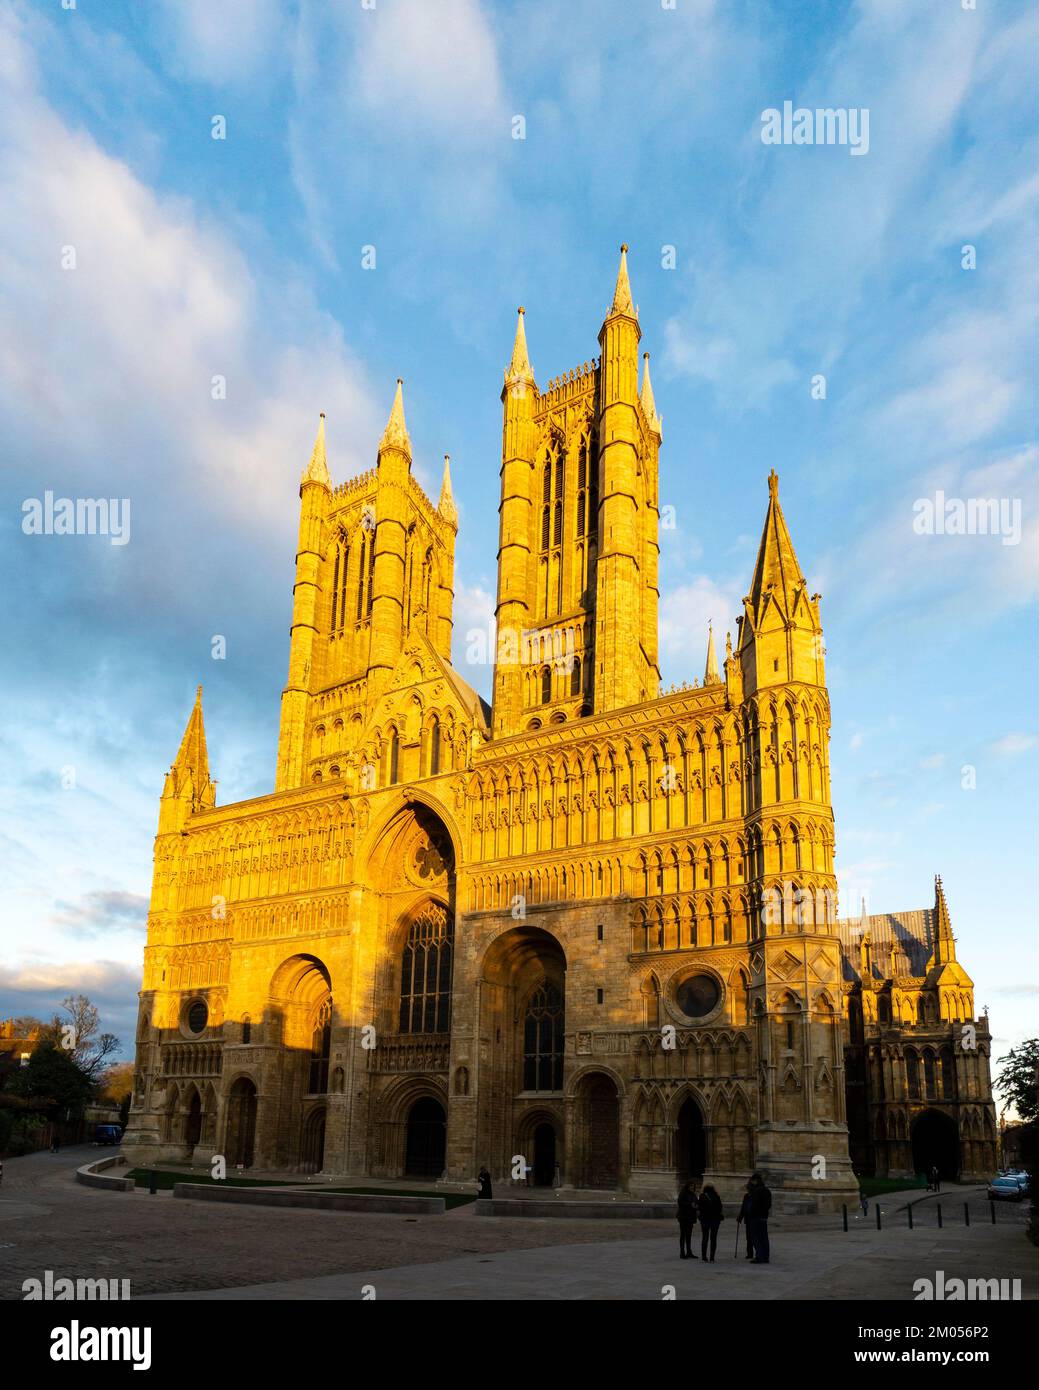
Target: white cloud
1011, 744
115, 358
231, 42
429, 69
685, 613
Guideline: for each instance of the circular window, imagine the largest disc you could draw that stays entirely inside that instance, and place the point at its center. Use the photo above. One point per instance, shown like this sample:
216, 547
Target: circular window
198, 1016
698, 996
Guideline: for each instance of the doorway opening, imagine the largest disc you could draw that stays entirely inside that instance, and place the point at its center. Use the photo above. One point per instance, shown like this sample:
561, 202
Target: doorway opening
692, 1142
426, 1145
545, 1155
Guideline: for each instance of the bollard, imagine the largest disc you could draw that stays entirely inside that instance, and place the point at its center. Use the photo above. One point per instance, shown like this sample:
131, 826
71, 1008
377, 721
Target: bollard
939, 1206
909, 1210
966, 1214
844, 1209
992, 1204
151, 1182
878, 1216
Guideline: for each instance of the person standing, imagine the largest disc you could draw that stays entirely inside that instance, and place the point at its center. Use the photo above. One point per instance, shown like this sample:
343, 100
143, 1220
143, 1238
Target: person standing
759, 1206
484, 1179
936, 1179
743, 1218
688, 1207
711, 1217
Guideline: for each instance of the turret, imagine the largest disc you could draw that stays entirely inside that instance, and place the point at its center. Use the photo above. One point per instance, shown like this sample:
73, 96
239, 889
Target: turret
188, 787
621, 674
944, 972
515, 533
781, 636
391, 521
441, 631
315, 492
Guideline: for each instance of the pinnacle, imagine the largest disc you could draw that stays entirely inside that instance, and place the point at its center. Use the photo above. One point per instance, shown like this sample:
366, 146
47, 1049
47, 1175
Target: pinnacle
446, 506
317, 469
192, 756
622, 302
711, 675
395, 435
649, 405
776, 569
519, 368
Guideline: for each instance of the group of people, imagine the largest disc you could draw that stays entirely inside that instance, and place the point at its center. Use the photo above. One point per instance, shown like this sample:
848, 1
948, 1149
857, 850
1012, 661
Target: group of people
696, 1203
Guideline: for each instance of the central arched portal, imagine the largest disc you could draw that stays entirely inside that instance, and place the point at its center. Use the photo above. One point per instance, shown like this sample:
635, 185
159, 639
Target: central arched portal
936, 1144
691, 1146
425, 1149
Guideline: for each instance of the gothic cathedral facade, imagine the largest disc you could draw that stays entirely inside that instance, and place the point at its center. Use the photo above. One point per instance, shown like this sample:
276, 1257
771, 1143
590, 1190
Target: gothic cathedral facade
585, 936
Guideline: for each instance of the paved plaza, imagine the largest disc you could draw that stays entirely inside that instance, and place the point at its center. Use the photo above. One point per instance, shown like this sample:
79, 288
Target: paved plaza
171, 1248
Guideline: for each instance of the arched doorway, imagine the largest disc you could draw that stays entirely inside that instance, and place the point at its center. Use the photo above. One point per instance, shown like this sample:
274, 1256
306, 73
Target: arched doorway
523, 1019
425, 1148
691, 1146
312, 1148
544, 1155
241, 1123
193, 1130
599, 1120
936, 1144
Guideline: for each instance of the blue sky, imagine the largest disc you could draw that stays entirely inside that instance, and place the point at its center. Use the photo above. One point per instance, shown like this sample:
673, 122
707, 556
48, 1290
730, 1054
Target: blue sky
393, 127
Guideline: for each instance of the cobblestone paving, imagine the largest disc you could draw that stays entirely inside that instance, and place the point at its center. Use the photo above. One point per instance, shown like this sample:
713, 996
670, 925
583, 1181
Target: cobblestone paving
169, 1248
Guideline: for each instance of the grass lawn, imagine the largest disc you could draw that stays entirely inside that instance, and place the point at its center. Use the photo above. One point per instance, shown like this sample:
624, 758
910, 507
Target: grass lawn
165, 1179
876, 1187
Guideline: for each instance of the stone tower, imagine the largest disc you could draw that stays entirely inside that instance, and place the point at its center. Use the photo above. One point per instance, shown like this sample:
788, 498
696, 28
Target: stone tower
374, 569
578, 533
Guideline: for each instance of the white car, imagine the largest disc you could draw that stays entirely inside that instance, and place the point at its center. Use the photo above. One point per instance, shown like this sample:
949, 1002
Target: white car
1006, 1188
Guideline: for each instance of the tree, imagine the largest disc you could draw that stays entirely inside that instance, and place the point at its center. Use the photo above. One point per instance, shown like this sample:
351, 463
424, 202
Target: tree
78, 1035
1018, 1079
116, 1082
52, 1082
1018, 1083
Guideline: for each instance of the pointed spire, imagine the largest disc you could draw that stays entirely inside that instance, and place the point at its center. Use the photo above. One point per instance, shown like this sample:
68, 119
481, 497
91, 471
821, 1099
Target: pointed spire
191, 765
519, 369
710, 675
317, 469
446, 506
395, 435
776, 570
622, 303
649, 405
944, 942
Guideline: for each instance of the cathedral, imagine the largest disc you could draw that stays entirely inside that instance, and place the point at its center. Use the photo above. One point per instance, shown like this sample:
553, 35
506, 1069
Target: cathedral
585, 936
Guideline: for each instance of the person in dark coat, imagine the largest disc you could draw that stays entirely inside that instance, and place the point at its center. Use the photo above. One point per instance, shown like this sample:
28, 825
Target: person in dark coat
688, 1207
484, 1179
936, 1179
711, 1217
758, 1208
742, 1218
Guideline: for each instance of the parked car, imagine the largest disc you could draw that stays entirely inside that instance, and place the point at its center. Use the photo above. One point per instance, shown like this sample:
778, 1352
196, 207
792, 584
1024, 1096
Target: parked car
107, 1134
1005, 1189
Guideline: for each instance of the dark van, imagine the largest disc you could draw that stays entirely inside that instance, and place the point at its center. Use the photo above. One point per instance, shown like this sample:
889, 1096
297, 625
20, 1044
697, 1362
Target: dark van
107, 1134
